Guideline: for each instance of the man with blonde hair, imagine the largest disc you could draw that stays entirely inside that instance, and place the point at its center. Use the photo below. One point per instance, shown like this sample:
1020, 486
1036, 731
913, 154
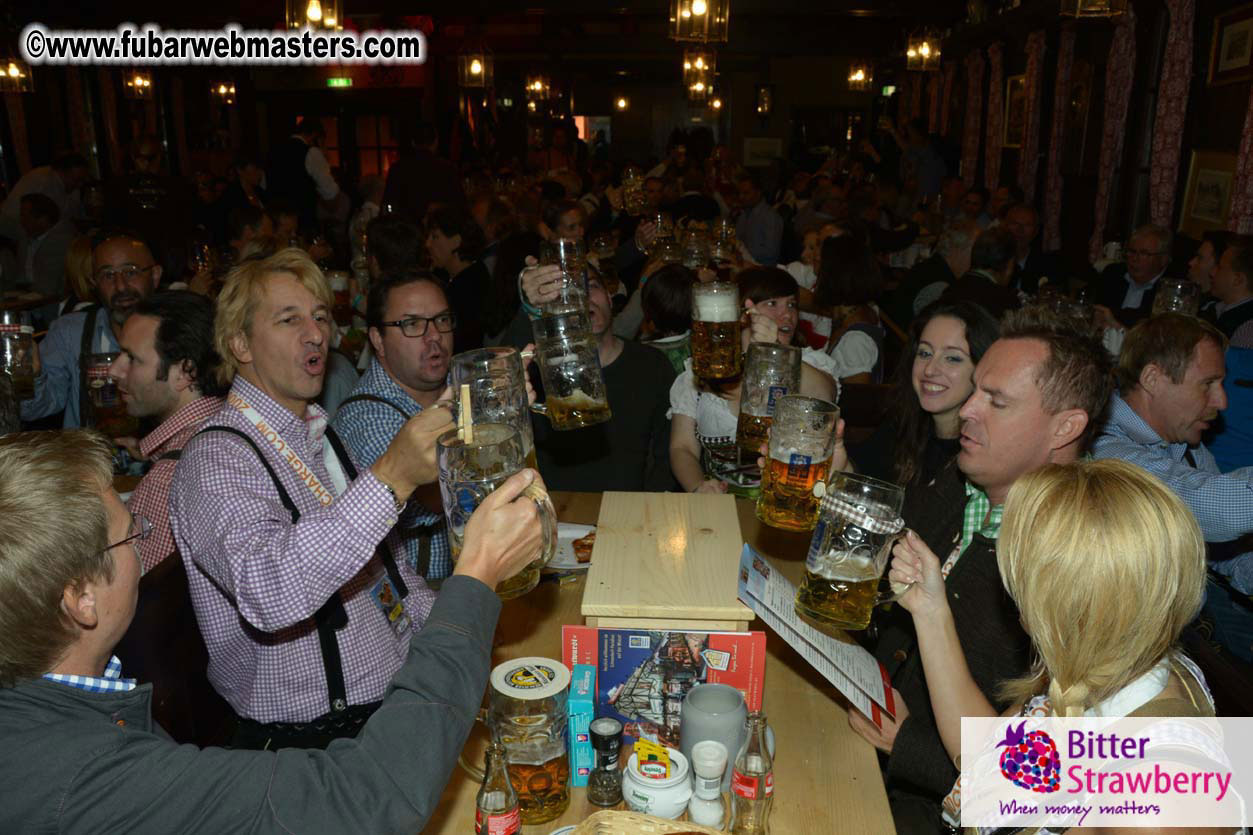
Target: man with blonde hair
81, 749
305, 609
1039, 393
1170, 390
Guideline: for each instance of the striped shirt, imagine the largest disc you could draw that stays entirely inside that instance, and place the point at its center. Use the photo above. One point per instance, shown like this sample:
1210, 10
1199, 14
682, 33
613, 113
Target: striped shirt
368, 427
256, 579
110, 682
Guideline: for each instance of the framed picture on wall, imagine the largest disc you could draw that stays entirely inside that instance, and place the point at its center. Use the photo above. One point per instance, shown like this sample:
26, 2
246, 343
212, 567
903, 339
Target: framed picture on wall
1015, 111
1231, 52
1207, 197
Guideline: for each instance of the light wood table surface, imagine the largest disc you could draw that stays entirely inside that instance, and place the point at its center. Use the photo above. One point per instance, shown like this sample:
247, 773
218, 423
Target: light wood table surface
826, 777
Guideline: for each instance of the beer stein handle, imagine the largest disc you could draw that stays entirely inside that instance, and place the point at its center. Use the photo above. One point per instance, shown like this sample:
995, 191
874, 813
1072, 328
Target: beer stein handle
540, 409
898, 589
548, 520
475, 772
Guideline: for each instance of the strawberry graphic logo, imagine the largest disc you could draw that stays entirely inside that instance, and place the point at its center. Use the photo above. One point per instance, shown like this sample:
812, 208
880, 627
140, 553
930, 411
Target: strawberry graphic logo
1030, 760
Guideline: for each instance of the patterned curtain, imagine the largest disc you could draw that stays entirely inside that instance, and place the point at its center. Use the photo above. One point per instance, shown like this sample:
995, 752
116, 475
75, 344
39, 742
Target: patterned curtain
1119, 74
996, 118
1029, 153
974, 109
915, 108
1241, 218
1172, 107
1057, 136
933, 100
950, 73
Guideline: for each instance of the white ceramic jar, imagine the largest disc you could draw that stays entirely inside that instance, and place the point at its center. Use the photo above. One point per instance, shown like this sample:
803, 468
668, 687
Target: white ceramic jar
665, 797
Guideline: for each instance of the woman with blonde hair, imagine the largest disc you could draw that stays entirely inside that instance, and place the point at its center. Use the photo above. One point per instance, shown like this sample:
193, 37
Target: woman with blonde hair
1106, 566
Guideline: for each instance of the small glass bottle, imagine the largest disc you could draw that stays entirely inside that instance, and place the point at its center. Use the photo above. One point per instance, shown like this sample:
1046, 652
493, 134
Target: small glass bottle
496, 807
604, 784
752, 782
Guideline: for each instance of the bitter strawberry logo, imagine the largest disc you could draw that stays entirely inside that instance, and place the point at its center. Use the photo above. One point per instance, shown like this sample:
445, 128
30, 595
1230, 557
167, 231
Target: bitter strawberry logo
1030, 760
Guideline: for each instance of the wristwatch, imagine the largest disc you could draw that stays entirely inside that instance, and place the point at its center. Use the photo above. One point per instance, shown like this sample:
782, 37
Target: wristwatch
396, 500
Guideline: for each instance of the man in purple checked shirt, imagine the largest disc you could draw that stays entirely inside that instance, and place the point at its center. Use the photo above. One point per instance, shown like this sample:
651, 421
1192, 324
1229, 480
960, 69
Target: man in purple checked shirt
305, 610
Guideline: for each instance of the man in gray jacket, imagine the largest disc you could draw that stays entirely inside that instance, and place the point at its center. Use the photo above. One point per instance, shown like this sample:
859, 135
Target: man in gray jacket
81, 752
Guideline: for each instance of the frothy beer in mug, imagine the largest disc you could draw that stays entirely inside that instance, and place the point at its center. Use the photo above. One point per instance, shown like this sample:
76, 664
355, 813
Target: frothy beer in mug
716, 331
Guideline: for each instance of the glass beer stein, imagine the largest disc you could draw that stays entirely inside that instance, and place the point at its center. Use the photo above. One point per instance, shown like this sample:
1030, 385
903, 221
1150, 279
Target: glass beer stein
1177, 295
497, 384
469, 471
802, 438
527, 714
569, 366
108, 411
716, 330
858, 522
770, 372
17, 357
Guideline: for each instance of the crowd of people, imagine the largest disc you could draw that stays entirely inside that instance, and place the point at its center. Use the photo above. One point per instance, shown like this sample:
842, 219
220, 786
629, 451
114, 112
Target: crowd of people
1078, 469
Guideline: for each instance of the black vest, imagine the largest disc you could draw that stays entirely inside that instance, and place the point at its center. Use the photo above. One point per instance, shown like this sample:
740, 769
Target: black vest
1234, 318
287, 179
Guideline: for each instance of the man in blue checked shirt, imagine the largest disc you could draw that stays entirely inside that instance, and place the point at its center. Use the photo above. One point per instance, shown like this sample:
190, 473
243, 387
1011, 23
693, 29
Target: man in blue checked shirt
81, 751
411, 331
1170, 379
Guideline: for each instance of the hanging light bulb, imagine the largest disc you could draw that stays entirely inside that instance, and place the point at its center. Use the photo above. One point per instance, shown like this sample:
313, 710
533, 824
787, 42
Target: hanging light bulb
716, 103
621, 103
14, 72
699, 7
476, 67
699, 21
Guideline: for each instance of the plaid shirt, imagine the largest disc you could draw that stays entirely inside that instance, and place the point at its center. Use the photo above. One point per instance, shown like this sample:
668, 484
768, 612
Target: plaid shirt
110, 682
978, 508
367, 428
151, 498
256, 579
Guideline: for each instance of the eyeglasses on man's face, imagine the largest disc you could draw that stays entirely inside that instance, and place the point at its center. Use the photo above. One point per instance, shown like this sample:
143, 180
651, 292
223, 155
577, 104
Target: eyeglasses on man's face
415, 326
140, 530
127, 273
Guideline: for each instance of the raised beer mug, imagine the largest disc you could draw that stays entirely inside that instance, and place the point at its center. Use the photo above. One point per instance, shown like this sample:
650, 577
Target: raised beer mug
527, 714
17, 353
468, 473
858, 522
569, 366
802, 439
716, 330
770, 373
497, 384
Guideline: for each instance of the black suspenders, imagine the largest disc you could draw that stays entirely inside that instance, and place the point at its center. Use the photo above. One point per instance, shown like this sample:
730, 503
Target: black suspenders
332, 616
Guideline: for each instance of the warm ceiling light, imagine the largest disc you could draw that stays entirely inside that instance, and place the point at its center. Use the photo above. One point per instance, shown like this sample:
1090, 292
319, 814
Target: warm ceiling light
699, 86
699, 7
476, 67
1093, 8
313, 12
923, 52
699, 21
621, 103
14, 72
716, 104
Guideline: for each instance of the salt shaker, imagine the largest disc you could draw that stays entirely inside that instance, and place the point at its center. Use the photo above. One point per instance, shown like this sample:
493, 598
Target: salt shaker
709, 761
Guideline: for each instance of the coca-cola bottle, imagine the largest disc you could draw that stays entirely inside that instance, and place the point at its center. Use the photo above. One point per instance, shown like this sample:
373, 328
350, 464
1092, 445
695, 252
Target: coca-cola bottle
496, 807
752, 782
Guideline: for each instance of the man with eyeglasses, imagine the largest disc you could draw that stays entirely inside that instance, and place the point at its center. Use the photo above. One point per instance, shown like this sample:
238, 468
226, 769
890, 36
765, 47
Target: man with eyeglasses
411, 331
81, 750
124, 273
1123, 293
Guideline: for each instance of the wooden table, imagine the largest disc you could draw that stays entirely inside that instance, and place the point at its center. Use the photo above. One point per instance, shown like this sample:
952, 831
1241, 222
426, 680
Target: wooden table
826, 777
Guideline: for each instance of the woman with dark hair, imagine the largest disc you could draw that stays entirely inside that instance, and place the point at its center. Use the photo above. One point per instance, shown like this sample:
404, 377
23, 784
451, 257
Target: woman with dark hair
774, 292
703, 415
455, 243
666, 302
933, 380
849, 283
563, 219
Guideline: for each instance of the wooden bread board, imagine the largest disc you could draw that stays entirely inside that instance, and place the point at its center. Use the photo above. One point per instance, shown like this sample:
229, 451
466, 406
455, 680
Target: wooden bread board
666, 560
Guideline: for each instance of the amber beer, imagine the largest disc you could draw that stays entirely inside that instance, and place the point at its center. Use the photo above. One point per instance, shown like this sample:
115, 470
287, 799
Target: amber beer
802, 438
770, 373
577, 410
751, 431
716, 331
543, 788
787, 492
849, 551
